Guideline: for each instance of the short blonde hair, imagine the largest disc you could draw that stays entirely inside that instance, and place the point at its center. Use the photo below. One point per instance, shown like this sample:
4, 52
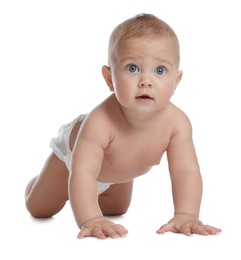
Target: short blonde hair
141, 25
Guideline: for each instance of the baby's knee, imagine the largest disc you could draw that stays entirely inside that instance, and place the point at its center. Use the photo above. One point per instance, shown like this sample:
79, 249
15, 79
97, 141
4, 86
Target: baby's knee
114, 209
42, 212
29, 186
35, 211
36, 214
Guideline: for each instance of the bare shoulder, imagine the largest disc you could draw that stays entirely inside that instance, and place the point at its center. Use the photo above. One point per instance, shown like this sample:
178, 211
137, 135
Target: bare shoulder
180, 121
97, 125
100, 116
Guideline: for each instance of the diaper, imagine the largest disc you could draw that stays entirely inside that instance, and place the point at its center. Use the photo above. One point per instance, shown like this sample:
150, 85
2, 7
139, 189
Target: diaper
61, 148
60, 144
102, 187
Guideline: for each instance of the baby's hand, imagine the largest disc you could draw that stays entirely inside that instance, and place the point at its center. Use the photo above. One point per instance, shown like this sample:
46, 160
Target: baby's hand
101, 228
186, 224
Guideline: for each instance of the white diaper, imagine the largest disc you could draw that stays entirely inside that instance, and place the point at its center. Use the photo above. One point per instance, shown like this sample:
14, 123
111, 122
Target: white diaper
61, 148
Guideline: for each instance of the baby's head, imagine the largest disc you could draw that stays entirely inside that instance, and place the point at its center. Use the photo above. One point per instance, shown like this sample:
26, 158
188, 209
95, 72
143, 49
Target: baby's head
141, 26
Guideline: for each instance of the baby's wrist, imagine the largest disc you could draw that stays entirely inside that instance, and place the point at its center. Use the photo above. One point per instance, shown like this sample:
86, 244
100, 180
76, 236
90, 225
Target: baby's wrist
95, 219
185, 214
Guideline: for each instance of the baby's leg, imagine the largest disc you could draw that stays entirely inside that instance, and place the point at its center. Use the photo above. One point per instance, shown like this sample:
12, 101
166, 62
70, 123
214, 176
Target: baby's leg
116, 200
47, 193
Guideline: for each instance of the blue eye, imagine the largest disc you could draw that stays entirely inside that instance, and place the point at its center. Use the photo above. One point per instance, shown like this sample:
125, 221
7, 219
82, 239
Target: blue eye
132, 68
160, 70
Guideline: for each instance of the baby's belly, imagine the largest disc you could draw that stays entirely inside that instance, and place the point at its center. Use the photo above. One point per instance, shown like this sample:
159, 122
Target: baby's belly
124, 173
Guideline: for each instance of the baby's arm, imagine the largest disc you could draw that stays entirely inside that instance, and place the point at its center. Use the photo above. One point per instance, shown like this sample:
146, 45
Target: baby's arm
186, 183
86, 165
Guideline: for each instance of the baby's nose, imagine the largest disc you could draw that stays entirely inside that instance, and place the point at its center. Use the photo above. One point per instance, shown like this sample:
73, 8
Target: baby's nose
145, 82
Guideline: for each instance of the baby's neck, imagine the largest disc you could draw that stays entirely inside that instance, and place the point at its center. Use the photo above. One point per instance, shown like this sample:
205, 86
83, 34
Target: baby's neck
140, 121
137, 121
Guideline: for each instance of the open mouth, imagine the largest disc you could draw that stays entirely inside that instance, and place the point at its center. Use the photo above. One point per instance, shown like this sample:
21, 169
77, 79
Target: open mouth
144, 97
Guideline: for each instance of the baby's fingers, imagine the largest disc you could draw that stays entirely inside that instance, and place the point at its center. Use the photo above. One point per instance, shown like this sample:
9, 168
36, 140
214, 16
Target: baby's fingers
193, 228
169, 227
211, 230
102, 232
96, 232
198, 228
114, 231
84, 232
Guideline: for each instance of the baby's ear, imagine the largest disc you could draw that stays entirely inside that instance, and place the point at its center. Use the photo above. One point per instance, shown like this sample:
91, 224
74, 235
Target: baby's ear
106, 72
178, 79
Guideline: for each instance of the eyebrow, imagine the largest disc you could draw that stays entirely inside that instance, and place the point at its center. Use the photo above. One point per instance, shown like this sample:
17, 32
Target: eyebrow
136, 57
127, 58
165, 62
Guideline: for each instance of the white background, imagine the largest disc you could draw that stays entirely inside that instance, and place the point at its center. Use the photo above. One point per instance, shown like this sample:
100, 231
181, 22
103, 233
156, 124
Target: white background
51, 53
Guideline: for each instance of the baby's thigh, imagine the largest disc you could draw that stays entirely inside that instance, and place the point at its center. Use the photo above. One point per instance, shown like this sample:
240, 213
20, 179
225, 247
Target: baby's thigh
116, 200
49, 191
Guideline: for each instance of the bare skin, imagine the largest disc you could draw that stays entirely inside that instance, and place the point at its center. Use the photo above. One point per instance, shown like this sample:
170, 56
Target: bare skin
47, 193
121, 139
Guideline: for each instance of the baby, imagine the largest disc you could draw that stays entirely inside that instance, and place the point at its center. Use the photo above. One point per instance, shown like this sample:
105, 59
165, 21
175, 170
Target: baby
97, 156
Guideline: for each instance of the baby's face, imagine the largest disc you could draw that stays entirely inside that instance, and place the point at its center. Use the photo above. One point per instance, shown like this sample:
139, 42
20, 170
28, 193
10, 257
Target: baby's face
145, 73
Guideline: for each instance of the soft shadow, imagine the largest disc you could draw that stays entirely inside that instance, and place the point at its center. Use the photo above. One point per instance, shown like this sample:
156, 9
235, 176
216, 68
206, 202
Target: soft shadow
115, 218
42, 220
